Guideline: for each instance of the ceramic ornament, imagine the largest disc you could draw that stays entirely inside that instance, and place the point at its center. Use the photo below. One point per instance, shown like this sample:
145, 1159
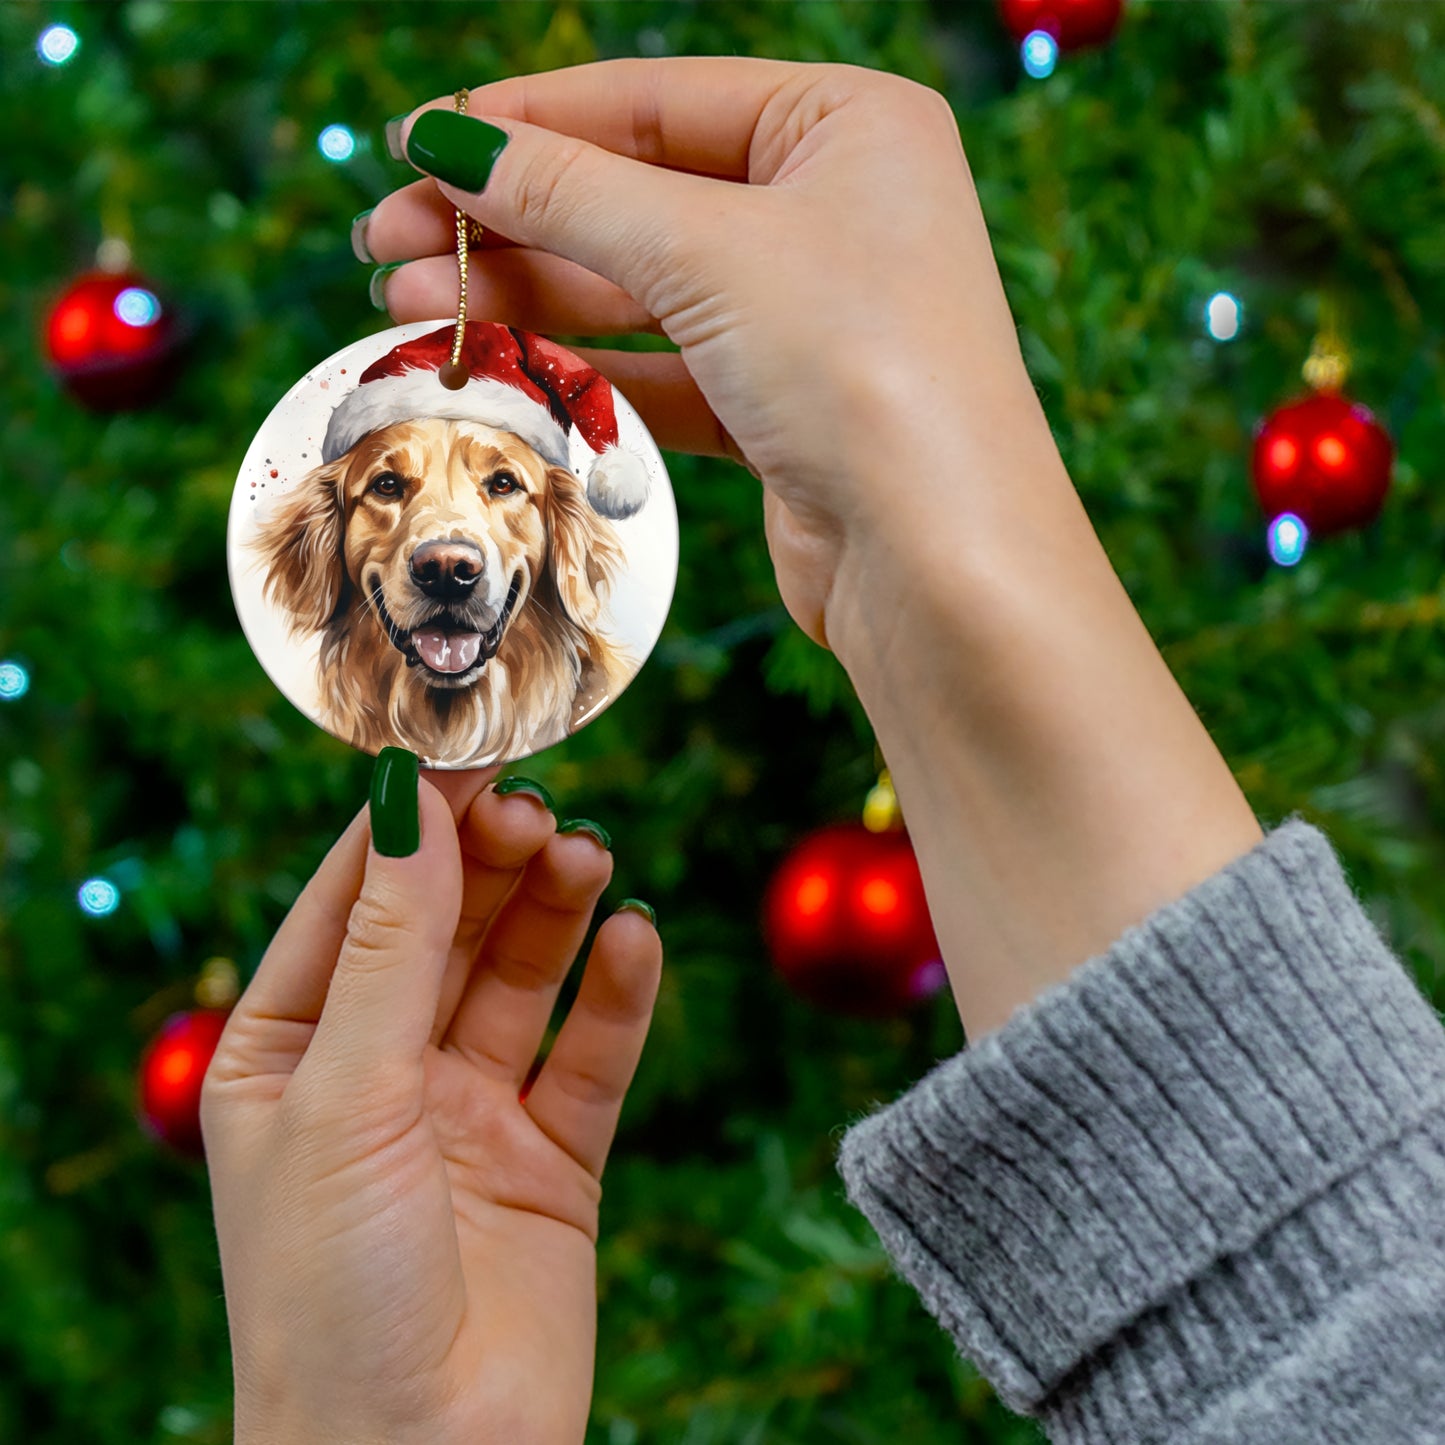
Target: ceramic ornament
471, 568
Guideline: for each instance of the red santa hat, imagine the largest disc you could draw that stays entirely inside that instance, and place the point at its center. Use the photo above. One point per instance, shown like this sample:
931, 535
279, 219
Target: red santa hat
517, 382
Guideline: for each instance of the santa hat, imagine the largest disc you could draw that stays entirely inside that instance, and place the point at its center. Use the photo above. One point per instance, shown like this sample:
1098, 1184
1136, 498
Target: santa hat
516, 382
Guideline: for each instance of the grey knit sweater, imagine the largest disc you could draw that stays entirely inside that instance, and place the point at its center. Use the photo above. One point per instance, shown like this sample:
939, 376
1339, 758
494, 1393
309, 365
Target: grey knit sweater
1197, 1192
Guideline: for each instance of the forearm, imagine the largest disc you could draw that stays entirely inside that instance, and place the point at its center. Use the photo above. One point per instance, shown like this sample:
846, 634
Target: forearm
1056, 782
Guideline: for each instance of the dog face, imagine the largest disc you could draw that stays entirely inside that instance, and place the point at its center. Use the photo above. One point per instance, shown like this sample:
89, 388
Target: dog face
446, 532
442, 557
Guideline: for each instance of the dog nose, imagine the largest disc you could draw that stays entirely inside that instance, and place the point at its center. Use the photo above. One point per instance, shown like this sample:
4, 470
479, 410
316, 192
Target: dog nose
446, 569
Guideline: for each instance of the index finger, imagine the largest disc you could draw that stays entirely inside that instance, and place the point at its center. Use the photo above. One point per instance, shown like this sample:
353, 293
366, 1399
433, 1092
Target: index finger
687, 113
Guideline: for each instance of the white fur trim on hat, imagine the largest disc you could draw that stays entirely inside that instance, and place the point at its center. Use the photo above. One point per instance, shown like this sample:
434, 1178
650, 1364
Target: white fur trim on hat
618, 483
417, 393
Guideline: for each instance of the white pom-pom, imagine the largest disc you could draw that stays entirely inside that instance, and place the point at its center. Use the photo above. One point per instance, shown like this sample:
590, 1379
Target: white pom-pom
618, 483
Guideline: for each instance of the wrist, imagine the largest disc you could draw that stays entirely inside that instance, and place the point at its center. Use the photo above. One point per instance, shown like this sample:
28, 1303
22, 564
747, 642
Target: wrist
940, 539
1057, 784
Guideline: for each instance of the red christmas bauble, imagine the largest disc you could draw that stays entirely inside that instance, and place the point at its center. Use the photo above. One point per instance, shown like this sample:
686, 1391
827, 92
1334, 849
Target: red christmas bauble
847, 923
1073, 23
111, 341
1326, 459
171, 1072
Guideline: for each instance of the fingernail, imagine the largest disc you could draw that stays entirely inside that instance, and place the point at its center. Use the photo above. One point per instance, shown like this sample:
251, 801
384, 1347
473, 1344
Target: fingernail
393, 137
636, 905
455, 148
377, 287
507, 786
359, 248
395, 810
586, 825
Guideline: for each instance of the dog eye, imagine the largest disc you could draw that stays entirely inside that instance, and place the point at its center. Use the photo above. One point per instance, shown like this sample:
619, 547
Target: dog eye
503, 486
387, 484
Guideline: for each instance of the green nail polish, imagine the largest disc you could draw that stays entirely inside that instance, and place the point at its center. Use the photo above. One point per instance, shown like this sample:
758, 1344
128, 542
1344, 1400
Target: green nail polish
359, 248
636, 905
377, 287
455, 148
393, 137
395, 810
586, 825
506, 786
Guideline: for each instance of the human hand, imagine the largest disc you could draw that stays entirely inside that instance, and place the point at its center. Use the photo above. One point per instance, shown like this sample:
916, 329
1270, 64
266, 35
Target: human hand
407, 1246
811, 239
842, 325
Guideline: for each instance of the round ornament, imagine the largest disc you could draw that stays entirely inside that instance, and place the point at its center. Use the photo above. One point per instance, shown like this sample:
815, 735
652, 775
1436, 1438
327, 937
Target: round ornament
847, 923
1073, 24
469, 571
1325, 459
111, 341
171, 1073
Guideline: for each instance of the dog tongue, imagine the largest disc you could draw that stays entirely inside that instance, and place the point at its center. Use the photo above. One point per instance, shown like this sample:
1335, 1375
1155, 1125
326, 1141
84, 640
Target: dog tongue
447, 651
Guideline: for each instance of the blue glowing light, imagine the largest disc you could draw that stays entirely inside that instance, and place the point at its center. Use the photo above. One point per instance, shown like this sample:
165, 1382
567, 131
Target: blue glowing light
14, 681
336, 143
1040, 53
137, 307
1223, 316
98, 897
1287, 538
57, 44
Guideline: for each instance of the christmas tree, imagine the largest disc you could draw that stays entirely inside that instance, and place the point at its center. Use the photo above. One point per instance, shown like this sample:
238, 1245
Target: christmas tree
162, 804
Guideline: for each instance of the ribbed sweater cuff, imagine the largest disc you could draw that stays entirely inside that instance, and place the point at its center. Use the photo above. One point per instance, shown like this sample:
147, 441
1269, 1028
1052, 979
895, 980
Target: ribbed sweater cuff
1131, 1154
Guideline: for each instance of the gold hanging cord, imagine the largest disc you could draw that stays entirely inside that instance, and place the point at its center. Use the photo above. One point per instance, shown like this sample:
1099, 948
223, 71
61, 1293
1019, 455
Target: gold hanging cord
453, 375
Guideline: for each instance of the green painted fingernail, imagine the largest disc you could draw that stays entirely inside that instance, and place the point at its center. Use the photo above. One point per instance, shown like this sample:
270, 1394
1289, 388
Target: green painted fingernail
530, 787
586, 825
393, 137
455, 148
359, 248
395, 809
377, 289
636, 905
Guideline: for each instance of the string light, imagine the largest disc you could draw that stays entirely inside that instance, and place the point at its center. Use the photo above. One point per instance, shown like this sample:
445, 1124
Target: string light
137, 307
1040, 54
14, 681
57, 44
336, 143
1223, 316
98, 897
1288, 536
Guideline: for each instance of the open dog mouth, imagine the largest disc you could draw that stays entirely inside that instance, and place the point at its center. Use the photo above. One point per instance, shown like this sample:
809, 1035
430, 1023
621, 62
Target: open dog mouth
449, 646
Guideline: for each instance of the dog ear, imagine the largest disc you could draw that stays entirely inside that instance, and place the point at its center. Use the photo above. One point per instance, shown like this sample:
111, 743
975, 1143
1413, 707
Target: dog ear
300, 544
584, 549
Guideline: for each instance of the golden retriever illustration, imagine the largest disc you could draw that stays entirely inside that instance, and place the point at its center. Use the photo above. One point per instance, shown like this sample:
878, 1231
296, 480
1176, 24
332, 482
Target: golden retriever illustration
459, 582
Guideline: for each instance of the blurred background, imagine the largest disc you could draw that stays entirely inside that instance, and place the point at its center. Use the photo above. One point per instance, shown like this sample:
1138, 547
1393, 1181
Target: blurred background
1184, 211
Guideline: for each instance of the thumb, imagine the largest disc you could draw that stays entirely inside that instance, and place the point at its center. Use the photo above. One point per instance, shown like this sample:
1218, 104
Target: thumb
382, 1000
635, 224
